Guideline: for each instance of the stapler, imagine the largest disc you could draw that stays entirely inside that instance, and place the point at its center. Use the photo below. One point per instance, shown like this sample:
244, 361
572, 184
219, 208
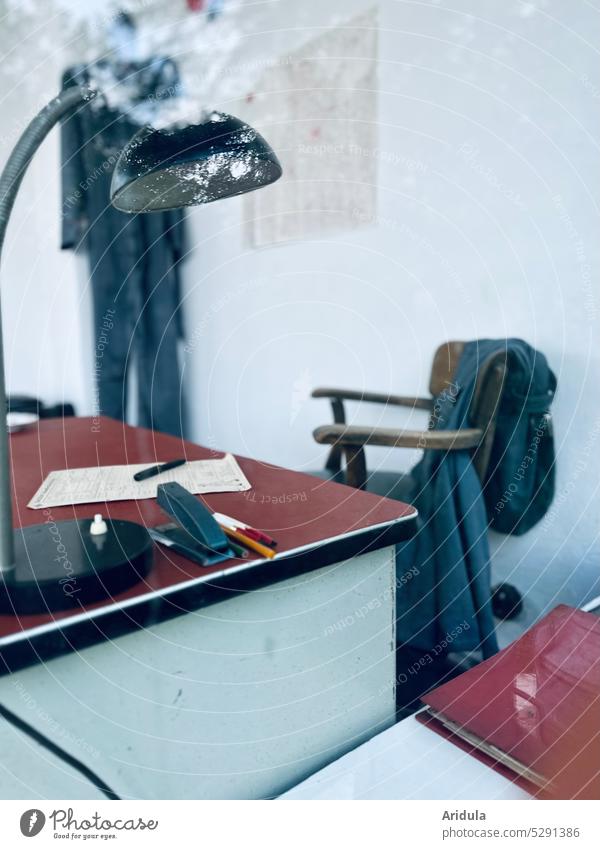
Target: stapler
195, 533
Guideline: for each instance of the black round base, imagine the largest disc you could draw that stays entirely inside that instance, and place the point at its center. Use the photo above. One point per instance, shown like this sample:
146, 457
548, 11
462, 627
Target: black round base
61, 565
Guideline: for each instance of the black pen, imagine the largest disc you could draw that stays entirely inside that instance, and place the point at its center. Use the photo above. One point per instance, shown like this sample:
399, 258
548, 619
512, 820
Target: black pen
152, 471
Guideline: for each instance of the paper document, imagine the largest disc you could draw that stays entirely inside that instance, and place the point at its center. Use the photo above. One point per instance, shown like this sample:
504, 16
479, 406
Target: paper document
116, 483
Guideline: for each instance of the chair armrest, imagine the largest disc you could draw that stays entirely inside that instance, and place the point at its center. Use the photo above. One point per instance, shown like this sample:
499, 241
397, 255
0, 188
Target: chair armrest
374, 398
443, 440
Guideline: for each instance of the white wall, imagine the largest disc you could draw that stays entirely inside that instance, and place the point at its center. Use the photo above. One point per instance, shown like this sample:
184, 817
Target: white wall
46, 307
494, 235
498, 101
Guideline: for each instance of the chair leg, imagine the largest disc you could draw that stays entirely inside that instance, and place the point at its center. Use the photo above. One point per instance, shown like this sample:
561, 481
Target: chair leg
334, 459
356, 466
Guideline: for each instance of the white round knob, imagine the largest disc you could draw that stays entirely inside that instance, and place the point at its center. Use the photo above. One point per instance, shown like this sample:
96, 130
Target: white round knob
98, 526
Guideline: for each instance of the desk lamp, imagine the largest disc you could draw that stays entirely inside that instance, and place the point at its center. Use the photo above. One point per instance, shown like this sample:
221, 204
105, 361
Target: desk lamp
156, 171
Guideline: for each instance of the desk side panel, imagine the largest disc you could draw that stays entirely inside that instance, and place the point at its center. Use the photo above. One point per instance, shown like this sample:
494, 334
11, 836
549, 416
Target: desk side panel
242, 699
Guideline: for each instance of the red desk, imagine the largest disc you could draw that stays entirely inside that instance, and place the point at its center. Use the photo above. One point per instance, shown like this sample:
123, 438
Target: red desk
335, 552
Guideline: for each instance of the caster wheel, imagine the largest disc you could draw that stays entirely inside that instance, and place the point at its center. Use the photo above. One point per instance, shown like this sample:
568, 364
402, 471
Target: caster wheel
507, 602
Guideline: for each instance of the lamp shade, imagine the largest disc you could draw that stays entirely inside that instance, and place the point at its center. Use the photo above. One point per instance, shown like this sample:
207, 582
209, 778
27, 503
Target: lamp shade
200, 163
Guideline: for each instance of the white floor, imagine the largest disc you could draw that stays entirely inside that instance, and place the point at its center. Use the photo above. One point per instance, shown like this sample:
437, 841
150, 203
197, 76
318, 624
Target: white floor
542, 588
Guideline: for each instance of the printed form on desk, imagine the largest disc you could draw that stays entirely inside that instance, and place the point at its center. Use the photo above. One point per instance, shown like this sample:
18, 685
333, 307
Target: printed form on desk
116, 483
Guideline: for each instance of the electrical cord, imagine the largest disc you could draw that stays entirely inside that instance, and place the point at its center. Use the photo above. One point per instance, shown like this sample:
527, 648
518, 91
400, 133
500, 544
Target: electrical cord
23, 726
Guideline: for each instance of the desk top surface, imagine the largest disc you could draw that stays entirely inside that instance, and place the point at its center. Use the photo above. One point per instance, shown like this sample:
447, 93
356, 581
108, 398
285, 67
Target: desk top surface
300, 511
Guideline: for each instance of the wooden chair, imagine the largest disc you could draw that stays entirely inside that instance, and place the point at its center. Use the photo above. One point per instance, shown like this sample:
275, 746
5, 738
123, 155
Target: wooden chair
349, 441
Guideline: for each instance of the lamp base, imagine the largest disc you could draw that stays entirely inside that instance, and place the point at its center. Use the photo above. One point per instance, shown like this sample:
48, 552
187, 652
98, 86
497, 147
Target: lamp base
61, 565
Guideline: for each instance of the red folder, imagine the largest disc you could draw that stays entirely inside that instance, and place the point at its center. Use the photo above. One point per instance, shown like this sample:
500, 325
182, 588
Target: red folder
536, 702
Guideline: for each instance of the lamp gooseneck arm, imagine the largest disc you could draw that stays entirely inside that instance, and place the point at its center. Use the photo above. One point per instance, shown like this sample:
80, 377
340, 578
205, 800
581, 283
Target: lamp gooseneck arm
10, 181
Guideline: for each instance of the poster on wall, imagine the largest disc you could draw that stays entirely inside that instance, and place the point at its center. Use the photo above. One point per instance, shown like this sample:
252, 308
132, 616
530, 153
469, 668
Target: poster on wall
318, 107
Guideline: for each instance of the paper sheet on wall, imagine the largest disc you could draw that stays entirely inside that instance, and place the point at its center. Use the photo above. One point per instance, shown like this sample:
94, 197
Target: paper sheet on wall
318, 108
115, 483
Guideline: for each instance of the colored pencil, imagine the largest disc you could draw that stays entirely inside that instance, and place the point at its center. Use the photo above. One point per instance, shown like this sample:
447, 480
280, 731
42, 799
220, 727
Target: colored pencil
248, 530
258, 547
238, 550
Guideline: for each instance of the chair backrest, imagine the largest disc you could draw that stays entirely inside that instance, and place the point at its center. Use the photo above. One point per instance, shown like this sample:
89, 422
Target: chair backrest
485, 403
443, 368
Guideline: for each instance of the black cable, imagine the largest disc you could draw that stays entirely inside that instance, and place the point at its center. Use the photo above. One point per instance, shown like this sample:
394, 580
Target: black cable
23, 726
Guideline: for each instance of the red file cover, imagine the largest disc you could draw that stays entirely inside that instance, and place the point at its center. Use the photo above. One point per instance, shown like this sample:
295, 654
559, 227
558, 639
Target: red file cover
538, 700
